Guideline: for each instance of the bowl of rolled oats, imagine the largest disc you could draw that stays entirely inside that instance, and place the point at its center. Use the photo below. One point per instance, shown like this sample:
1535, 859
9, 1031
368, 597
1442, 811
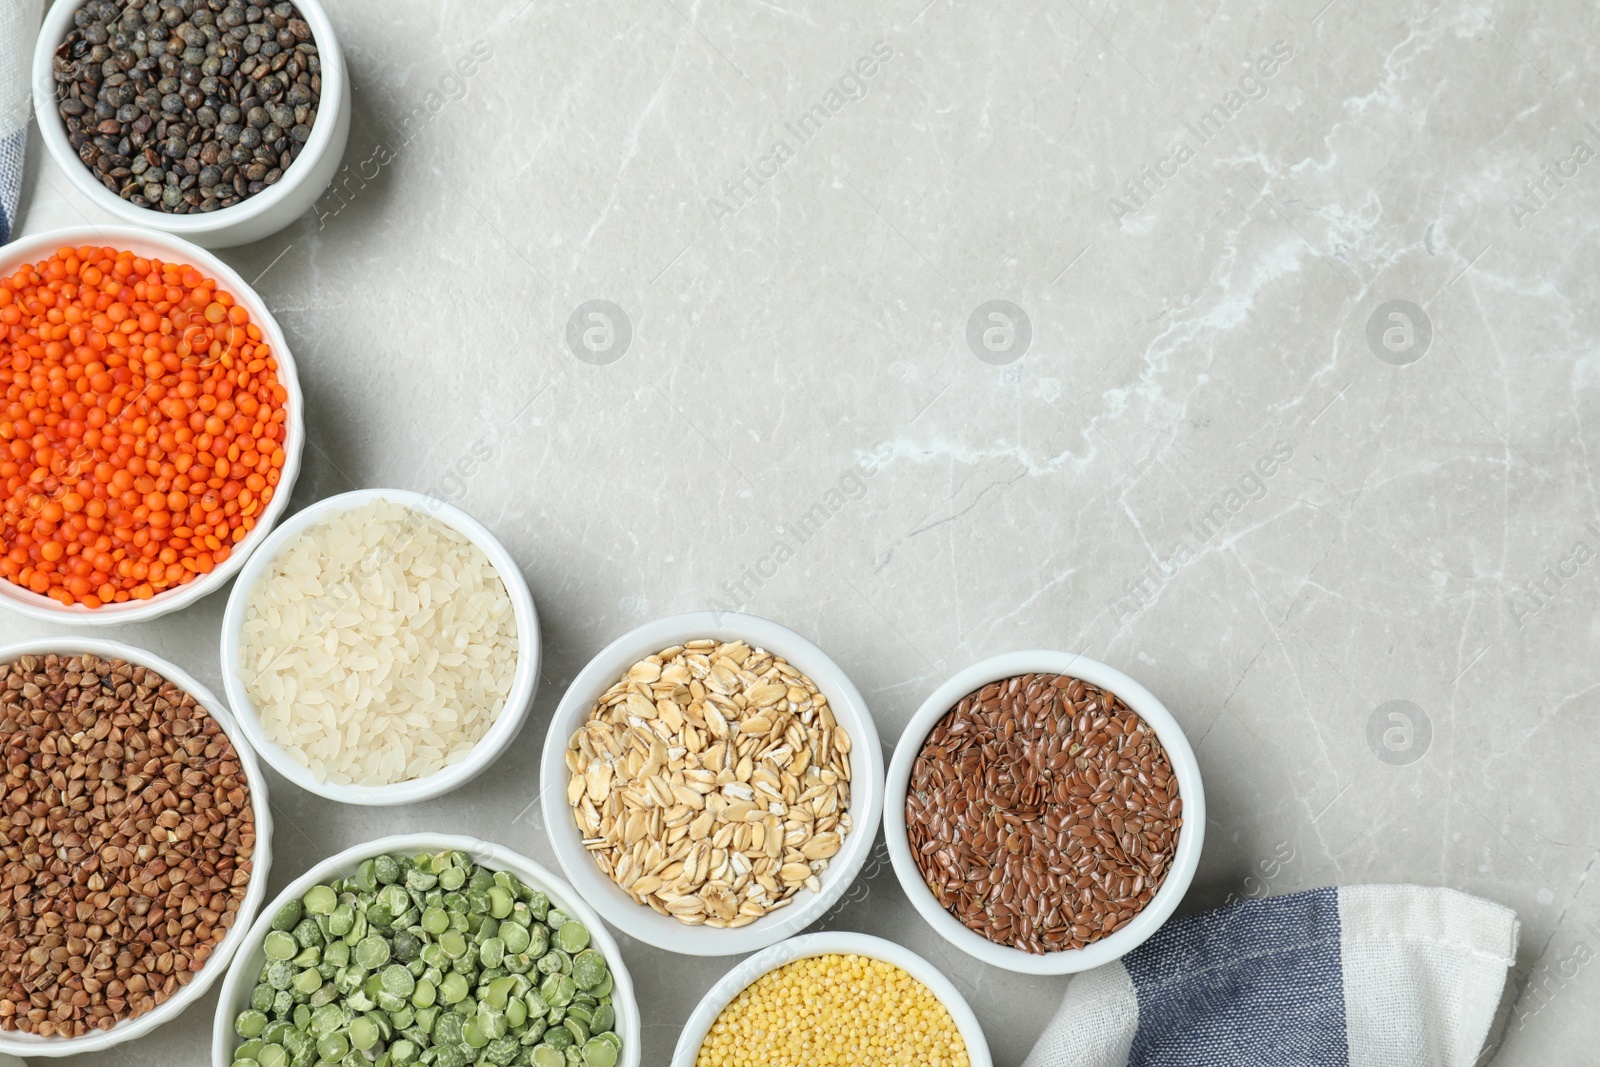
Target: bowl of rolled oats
712, 783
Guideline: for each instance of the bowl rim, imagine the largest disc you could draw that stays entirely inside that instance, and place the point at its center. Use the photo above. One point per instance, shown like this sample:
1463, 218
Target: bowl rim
32, 248
53, 32
1185, 767
30, 1045
866, 802
501, 732
487, 853
829, 942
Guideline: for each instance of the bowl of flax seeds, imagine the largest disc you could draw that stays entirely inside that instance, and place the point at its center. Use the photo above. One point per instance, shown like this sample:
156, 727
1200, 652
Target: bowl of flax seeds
1044, 812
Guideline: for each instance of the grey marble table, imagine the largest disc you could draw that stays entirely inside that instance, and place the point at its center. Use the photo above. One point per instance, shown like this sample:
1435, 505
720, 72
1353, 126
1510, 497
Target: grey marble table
1358, 236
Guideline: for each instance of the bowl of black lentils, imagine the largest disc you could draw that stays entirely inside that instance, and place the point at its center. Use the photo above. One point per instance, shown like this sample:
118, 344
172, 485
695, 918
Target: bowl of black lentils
220, 121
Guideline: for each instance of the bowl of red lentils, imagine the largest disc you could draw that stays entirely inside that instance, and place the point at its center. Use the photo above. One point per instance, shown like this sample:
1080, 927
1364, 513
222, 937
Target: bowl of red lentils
150, 424
1044, 812
839, 998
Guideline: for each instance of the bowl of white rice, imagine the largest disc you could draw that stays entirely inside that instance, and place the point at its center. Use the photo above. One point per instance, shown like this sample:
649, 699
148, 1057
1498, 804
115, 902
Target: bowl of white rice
380, 648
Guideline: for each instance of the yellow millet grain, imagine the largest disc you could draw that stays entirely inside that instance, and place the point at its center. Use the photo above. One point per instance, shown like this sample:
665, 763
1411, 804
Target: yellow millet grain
834, 1011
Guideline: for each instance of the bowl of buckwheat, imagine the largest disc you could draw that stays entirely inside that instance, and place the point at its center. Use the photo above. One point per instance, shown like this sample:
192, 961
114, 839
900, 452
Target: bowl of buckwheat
1044, 812
712, 783
138, 840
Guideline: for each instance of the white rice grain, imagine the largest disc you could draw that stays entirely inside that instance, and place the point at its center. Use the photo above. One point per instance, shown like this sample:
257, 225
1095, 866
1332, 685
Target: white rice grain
379, 646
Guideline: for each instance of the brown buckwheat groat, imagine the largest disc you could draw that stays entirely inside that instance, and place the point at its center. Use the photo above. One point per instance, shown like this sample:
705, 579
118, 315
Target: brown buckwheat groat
127, 830
1043, 812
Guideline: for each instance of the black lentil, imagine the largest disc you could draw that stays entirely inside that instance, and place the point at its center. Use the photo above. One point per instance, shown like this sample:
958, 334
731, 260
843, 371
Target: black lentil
188, 105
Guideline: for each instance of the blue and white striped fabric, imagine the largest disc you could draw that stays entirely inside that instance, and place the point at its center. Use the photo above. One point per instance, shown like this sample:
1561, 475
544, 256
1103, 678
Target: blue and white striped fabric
1369, 976
19, 22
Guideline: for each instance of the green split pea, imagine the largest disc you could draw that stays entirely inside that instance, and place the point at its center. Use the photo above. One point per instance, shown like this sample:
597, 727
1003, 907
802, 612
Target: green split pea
433, 961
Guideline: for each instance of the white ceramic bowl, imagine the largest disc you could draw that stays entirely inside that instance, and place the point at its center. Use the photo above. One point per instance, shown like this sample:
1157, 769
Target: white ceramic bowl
30, 1045
250, 220
866, 783
171, 250
1190, 837
235, 995
501, 732
832, 942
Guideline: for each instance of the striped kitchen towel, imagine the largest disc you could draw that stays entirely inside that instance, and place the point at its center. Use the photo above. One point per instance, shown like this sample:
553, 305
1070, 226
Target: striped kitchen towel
1368, 976
19, 23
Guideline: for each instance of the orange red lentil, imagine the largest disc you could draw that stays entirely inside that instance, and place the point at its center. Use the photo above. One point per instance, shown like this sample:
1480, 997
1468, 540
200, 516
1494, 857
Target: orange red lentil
142, 425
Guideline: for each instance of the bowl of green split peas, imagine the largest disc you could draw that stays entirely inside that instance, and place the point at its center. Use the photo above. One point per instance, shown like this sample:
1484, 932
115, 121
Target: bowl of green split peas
427, 950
